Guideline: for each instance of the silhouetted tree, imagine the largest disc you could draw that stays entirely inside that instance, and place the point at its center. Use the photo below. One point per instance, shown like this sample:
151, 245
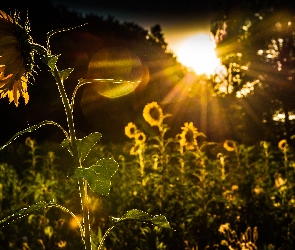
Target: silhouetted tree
255, 41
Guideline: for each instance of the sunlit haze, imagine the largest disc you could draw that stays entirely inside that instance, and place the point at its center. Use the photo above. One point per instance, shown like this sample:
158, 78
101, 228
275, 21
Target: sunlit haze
198, 53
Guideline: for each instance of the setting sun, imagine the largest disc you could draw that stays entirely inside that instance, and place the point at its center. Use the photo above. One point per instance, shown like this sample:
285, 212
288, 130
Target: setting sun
198, 53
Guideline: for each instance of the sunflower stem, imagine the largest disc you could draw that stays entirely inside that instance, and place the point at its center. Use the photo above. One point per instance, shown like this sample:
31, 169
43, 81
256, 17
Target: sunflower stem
77, 162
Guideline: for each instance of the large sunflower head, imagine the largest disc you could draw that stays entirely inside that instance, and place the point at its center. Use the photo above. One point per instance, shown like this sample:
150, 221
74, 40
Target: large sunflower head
188, 136
153, 114
16, 58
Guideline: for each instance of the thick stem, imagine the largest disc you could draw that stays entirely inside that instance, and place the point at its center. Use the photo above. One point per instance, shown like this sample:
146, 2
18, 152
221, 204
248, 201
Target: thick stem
77, 163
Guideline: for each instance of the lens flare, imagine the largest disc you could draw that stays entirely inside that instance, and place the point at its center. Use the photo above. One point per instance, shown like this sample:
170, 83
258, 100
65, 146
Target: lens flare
116, 72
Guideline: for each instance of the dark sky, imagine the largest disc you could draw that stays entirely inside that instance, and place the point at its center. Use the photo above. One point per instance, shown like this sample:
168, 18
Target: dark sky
178, 19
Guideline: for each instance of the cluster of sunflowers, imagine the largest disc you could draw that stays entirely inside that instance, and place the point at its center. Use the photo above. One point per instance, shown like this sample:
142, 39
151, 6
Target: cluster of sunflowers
153, 115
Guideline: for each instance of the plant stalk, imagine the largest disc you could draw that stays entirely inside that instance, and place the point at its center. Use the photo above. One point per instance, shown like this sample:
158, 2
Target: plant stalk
77, 163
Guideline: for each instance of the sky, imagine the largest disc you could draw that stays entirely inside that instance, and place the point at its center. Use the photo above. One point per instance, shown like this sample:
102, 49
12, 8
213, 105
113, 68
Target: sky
178, 19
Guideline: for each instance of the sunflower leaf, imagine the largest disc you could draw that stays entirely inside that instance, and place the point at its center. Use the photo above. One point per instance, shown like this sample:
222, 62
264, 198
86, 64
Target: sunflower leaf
137, 215
31, 129
66, 143
98, 175
83, 145
50, 61
25, 211
64, 74
87, 143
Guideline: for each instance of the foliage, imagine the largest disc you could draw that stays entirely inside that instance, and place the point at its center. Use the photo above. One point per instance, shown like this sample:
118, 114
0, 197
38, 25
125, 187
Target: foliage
255, 43
215, 195
17, 59
203, 185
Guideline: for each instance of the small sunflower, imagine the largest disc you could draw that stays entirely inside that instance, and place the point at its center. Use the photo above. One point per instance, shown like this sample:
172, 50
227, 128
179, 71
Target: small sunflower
135, 149
61, 244
230, 145
153, 114
131, 130
283, 145
188, 136
16, 58
140, 137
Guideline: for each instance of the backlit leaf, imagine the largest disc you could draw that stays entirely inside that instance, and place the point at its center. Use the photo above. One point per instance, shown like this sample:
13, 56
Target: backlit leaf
83, 145
98, 175
25, 211
137, 215
64, 74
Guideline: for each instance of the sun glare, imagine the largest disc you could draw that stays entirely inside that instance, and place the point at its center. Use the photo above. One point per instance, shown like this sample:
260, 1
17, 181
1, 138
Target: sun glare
198, 53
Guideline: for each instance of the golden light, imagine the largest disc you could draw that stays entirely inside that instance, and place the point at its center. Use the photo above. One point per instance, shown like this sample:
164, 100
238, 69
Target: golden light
198, 53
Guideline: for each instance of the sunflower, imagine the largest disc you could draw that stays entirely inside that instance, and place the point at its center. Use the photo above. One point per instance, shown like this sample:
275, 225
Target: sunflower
131, 130
140, 137
153, 114
283, 145
16, 58
188, 136
230, 145
135, 149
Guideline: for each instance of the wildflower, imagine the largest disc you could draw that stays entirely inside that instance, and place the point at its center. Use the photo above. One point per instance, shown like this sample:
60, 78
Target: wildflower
153, 114
140, 137
16, 58
61, 244
224, 228
131, 130
224, 243
229, 145
188, 136
279, 181
283, 145
257, 190
135, 149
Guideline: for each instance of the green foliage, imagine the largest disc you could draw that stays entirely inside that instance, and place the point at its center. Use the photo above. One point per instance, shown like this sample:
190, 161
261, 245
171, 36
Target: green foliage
44, 181
98, 175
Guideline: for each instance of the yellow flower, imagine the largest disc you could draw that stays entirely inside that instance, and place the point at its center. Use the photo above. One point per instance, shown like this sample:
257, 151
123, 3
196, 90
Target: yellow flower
131, 130
135, 149
61, 244
153, 114
230, 145
224, 228
16, 58
138, 147
283, 145
188, 136
140, 137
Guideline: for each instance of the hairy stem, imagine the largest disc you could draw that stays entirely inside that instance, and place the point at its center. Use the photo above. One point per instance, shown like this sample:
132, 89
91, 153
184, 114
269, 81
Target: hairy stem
77, 163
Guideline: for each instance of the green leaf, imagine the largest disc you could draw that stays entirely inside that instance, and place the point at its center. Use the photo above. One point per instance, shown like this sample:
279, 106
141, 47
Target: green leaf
31, 129
50, 61
83, 145
87, 143
64, 74
98, 175
66, 143
161, 221
25, 211
137, 215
